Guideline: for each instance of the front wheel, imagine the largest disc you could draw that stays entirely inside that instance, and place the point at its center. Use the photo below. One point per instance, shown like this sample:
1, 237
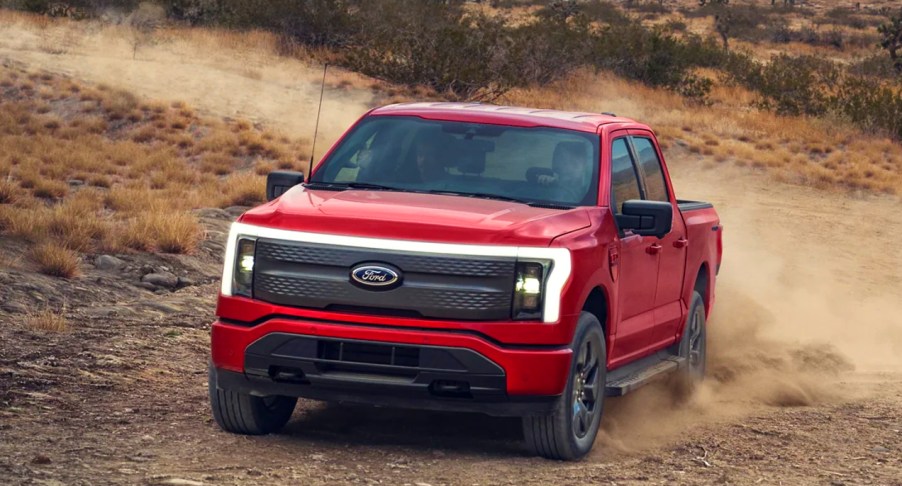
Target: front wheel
568, 433
242, 413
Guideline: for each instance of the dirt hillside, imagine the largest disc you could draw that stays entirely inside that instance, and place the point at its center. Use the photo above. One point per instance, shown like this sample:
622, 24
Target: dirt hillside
805, 382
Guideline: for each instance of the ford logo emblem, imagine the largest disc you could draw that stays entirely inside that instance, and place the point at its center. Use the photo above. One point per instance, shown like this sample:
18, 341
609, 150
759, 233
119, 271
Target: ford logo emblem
375, 277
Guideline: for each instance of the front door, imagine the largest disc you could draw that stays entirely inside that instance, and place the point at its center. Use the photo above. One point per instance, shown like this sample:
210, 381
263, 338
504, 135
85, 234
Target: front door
638, 265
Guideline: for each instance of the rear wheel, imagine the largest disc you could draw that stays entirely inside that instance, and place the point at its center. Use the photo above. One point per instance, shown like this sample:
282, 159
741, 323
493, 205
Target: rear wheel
693, 345
242, 413
568, 433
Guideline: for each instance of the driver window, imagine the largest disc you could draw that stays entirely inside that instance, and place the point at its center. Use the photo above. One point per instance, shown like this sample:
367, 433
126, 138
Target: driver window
624, 180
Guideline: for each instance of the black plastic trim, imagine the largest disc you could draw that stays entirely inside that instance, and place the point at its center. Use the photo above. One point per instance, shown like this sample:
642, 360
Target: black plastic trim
686, 205
504, 406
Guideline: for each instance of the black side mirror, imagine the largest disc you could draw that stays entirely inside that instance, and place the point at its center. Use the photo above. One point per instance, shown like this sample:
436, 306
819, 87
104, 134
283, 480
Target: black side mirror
278, 182
648, 218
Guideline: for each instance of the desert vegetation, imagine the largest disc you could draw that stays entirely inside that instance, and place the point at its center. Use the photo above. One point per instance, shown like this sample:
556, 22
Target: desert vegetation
840, 62
86, 169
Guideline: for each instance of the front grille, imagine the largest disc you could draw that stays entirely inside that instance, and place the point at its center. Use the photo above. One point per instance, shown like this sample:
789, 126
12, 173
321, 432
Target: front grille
311, 254
434, 286
369, 353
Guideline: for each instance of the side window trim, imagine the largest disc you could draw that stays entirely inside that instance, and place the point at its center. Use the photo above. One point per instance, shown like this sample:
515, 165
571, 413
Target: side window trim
635, 154
636, 169
637, 165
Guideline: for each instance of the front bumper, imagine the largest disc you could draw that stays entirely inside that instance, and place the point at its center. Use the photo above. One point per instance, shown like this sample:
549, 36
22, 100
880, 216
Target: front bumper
387, 366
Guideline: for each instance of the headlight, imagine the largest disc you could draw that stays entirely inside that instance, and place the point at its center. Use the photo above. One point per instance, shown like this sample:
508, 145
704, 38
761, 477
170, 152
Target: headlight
528, 289
243, 280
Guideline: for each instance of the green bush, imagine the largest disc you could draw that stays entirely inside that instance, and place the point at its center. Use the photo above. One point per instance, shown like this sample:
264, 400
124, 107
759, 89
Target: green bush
438, 45
605, 12
787, 85
870, 104
653, 56
876, 65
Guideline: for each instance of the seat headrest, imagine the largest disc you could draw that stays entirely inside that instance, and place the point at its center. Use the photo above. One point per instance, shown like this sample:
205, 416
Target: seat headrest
575, 148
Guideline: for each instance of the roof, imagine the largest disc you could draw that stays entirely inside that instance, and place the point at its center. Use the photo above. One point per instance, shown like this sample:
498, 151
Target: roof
502, 115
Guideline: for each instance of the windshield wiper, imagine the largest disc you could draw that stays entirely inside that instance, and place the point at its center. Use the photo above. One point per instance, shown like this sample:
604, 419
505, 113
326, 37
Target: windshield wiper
498, 197
341, 186
483, 195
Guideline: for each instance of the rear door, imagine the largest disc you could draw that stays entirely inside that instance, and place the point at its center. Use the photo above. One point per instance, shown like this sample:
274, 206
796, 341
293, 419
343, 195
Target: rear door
635, 334
672, 248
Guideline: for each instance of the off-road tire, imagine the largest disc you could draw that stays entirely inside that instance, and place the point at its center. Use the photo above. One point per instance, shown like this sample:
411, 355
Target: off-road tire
693, 345
246, 414
554, 436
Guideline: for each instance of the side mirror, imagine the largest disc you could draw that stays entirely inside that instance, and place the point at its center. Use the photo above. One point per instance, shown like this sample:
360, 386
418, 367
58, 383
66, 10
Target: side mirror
278, 182
648, 218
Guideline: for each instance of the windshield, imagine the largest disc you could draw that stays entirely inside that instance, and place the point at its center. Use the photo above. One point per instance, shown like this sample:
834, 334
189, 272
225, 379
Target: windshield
532, 165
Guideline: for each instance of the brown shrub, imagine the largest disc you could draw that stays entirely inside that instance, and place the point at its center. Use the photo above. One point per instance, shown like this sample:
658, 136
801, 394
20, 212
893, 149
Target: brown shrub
50, 189
244, 190
163, 231
55, 260
46, 320
9, 192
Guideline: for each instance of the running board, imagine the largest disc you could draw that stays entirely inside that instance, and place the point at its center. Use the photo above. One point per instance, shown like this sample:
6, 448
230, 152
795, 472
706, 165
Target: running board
629, 377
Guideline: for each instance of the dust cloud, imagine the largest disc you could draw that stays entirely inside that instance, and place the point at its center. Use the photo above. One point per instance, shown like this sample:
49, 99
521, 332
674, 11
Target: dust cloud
807, 295
810, 286
220, 73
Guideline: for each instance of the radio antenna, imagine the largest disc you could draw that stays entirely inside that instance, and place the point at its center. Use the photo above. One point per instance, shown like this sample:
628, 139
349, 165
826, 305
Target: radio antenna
322, 88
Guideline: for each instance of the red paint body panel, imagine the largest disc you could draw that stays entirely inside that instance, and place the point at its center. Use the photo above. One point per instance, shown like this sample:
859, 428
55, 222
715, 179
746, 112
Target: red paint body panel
412, 216
505, 332
529, 372
645, 307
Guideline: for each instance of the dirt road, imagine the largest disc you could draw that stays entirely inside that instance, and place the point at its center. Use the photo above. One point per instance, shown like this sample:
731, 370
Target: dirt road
805, 382
123, 400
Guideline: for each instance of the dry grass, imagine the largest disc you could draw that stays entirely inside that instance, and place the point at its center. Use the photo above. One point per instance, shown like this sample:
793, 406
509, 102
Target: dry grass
46, 321
244, 190
86, 169
55, 260
162, 230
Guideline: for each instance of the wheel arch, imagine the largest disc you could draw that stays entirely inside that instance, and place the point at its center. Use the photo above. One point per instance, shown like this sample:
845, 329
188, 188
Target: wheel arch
703, 285
597, 304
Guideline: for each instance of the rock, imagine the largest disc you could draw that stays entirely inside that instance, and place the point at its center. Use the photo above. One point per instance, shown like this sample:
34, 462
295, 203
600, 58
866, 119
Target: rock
213, 213
109, 311
163, 279
147, 285
236, 211
181, 482
108, 262
76, 182
215, 247
880, 449
14, 307
185, 282
161, 307
41, 459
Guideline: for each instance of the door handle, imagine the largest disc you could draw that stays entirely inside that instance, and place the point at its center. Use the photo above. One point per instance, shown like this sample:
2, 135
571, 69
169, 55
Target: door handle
653, 249
681, 243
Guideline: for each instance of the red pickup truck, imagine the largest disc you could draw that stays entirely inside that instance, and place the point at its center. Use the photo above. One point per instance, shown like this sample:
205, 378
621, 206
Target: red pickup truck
467, 257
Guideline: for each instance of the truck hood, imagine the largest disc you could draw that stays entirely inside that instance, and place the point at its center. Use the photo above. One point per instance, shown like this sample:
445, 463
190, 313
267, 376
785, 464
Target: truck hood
413, 216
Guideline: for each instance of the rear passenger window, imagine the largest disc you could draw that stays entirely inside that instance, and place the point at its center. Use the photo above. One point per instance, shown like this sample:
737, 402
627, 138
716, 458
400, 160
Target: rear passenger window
624, 182
655, 187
